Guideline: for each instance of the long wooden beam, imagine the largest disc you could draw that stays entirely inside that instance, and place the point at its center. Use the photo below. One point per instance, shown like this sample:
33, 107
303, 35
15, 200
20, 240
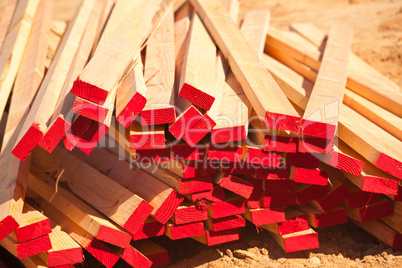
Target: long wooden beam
260, 88
5, 20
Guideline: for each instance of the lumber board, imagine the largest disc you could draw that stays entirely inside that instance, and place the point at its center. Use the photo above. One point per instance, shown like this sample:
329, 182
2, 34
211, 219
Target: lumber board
197, 79
255, 201
383, 232
64, 251
175, 231
33, 262
151, 155
95, 247
33, 224
322, 112
255, 155
297, 241
26, 249
295, 222
57, 30
394, 221
135, 258
215, 195
306, 193
371, 212
309, 176
212, 238
183, 152
76, 210
319, 219
159, 195
6, 19
361, 199
147, 137
362, 78
50, 89
154, 252
233, 183
150, 228
13, 172
226, 223
189, 212
130, 95
261, 216
97, 82
62, 118
159, 73
271, 186
240, 168
284, 199
233, 205
355, 130
14, 45
232, 124
260, 88
225, 153
113, 200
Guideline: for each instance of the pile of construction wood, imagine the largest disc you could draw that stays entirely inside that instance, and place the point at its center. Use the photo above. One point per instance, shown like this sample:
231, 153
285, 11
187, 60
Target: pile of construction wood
204, 121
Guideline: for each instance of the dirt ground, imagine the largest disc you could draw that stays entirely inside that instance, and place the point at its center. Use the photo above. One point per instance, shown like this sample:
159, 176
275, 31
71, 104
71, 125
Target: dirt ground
378, 40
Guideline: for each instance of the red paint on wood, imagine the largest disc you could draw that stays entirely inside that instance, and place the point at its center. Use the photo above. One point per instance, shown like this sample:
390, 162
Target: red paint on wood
301, 242
360, 199
150, 229
196, 97
272, 174
33, 247
153, 155
281, 121
28, 142
185, 230
190, 214
187, 153
135, 258
90, 139
375, 211
194, 185
54, 134
330, 218
113, 236
226, 223
228, 134
309, 176
227, 208
318, 129
260, 157
65, 257
310, 193
102, 253
198, 168
267, 215
239, 168
78, 129
236, 185
225, 153
158, 116
158, 259
380, 185
215, 195
222, 237
389, 165
140, 214
292, 225
333, 198
89, 92
185, 122
147, 141
304, 160
280, 144
89, 110
254, 201
282, 199
7, 226
346, 163
271, 186
199, 130
34, 230
169, 206
131, 110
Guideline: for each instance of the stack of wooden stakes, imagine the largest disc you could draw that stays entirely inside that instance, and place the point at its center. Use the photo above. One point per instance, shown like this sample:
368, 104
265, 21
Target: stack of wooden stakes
204, 122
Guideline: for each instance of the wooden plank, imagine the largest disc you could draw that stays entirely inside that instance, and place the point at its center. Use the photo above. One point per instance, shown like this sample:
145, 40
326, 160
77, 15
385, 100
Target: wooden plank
283, 199
212, 238
33, 224
232, 124
158, 255
215, 195
62, 119
147, 137
150, 228
262, 91
362, 78
64, 251
160, 73
123, 207
309, 176
57, 30
189, 212
394, 221
33, 262
226, 223
261, 216
26, 249
14, 45
96, 82
234, 205
355, 130
135, 258
95, 247
6, 19
160, 196
321, 114
382, 232
234, 184
371, 212
295, 222
50, 89
319, 219
306, 193
297, 241
76, 210
13, 172
130, 95
174, 231
225, 153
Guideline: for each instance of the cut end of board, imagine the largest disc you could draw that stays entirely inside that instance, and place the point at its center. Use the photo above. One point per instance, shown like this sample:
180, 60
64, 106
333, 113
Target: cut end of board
316, 145
158, 116
131, 110
196, 97
33, 247
228, 134
280, 144
185, 122
389, 165
284, 122
318, 129
102, 253
141, 213
32, 231
89, 92
147, 141
55, 134
113, 236
89, 110
199, 130
7, 226
168, 207
65, 257
28, 142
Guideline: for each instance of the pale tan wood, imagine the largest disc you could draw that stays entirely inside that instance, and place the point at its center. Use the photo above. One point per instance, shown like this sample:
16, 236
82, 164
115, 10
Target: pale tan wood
121, 45
160, 66
29, 216
376, 114
381, 231
110, 198
13, 173
394, 221
366, 138
359, 71
66, 99
130, 176
52, 85
60, 241
259, 86
234, 107
300, 49
57, 30
327, 95
147, 133
68, 204
5, 20
14, 46
10, 245
199, 62
108, 7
